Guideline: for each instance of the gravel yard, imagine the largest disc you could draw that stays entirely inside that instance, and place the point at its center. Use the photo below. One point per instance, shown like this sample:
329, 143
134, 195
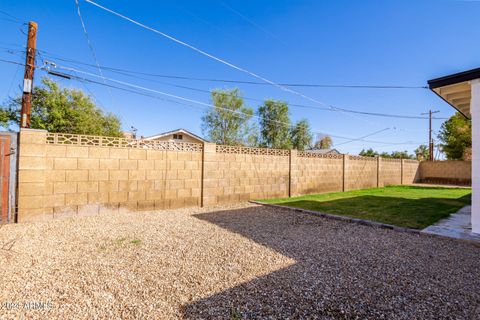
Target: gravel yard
233, 262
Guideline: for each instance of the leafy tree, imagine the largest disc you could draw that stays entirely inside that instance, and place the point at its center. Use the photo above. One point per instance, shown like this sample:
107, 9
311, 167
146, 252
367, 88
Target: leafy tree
62, 110
253, 136
324, 143
456, 136
422, 152
368, 153
274, 125
301, 135
227, 122
394, 154
401, 155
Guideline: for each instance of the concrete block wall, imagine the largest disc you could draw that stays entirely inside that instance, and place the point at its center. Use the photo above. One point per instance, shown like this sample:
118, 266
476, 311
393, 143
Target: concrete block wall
390, 172
62, 174
410, 171
233, 174
360, 172
450, 171
316, 173
63, 179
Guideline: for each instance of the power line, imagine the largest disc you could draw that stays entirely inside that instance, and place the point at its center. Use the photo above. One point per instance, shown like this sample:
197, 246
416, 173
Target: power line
131, 73
189, 105
202, 103
247, 82
366, 136
16, 19
90, 46
192, 101
211, 56
218, 59
250, 21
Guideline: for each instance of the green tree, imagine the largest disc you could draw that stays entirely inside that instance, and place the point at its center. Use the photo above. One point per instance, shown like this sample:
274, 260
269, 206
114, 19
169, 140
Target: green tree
368, 153
62, 110
227, 122
301, 135
394, 154
274, 125
253, 136
401, 155
422, 152
324, 143
456, 136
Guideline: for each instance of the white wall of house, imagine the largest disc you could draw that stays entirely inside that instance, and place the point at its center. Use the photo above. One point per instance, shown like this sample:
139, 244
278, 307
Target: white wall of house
475, 111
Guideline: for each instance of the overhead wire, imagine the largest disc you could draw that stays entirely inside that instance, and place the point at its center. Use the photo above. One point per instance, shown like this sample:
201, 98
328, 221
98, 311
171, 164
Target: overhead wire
223, 61
90, 45
363, 137
16, 19
251, 82
209, 55
250, 21
189, 100
133, 74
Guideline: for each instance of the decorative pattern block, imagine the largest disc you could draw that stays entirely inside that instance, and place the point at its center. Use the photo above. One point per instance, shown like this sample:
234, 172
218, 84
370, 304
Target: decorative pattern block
87, 140
254, 151
309, 154
350, 157
393, 160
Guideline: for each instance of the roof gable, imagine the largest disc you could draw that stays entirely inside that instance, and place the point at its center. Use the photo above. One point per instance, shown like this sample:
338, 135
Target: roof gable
182, 131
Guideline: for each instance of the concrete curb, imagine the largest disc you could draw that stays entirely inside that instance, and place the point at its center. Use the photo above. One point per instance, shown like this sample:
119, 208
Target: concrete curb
367, 223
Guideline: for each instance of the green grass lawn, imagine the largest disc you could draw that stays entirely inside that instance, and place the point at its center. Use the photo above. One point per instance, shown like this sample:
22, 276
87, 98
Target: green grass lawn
405, 206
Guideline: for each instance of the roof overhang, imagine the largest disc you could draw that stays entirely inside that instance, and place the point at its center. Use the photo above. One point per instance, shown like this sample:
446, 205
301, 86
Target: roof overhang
456, 89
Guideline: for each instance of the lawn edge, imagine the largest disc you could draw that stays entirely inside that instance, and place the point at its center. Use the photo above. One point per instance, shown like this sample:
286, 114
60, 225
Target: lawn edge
366, 222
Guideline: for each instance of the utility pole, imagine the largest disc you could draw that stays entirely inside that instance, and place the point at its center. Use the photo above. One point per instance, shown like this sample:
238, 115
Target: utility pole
28, 77
430, 139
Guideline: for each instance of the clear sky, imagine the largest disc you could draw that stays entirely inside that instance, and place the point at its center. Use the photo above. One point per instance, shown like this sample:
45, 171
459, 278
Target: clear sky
404, 42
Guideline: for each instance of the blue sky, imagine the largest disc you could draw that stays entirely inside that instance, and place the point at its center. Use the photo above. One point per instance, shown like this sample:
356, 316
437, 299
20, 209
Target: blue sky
328, 42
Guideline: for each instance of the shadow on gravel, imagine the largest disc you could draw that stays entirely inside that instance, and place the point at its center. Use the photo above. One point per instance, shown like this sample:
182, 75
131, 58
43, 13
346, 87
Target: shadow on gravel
345, 271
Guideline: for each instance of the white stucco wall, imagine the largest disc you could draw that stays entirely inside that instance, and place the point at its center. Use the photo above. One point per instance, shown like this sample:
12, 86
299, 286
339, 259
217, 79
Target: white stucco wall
475, 111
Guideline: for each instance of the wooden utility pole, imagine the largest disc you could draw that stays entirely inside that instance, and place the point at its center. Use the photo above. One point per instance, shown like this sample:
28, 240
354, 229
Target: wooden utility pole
28, 77
430, 139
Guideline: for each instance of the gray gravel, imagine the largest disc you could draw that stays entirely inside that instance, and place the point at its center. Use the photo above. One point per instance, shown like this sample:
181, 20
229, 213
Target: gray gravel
232, 262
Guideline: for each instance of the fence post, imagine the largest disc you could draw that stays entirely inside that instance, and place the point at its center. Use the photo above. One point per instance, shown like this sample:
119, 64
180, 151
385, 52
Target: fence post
202, 175
208, 153
293, 154
401, 171
344, 176
379, 162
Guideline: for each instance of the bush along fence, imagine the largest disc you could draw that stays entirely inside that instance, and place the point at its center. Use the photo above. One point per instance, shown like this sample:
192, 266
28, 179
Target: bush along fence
63, 174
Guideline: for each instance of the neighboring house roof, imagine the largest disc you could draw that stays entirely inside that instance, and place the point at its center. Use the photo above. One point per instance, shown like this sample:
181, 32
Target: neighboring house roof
324, 151
182, 131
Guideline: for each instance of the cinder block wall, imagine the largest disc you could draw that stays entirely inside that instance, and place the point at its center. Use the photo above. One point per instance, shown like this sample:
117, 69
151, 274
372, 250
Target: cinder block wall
390, 172
61, 174
452, 171
233, 174
360, 172
410, 171
316, 173
58, 179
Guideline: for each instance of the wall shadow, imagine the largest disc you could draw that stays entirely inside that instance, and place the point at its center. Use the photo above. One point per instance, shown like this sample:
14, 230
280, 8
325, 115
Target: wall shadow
343, 271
